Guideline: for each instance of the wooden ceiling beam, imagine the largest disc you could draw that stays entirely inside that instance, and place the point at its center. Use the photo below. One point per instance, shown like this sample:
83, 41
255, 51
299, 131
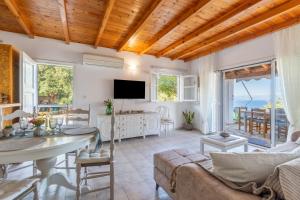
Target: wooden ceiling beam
12, 6
185, 15
265, 66
237, 41
64, 19
140, 25
209, 25
108, 9
247, 69
240, 27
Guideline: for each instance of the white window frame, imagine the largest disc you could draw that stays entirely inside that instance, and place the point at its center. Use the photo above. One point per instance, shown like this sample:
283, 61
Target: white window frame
193, 87
180, 87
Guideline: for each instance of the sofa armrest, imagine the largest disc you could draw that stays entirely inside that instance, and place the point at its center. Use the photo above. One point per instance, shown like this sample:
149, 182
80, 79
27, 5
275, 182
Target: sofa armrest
194, 183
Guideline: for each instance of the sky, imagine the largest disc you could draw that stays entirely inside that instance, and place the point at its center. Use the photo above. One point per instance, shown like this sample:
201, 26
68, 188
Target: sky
259, 89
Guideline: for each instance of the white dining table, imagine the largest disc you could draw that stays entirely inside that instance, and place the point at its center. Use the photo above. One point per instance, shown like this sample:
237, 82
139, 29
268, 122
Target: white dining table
45, 154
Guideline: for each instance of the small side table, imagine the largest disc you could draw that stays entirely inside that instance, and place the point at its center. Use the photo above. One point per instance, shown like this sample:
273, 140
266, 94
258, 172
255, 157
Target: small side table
224, 144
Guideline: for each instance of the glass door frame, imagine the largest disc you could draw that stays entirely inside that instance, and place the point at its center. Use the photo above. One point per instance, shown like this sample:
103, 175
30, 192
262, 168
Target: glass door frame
273, 85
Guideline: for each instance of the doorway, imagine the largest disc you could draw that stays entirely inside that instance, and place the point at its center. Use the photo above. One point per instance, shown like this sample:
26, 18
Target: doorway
252, 104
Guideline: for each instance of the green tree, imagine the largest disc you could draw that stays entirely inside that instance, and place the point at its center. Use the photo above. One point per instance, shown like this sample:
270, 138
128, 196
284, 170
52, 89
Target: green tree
167, 88
55, 82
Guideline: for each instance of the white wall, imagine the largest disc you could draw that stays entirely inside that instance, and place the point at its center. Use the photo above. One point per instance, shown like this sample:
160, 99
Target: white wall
252, 51
92, 85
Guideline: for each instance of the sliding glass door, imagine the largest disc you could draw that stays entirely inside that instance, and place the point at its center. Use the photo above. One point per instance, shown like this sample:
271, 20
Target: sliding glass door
249, 94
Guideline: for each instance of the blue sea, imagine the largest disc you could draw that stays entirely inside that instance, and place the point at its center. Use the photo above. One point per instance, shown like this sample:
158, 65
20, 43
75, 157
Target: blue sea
250, 104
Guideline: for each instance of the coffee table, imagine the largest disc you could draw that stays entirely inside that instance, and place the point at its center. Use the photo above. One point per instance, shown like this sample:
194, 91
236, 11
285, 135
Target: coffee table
224, 144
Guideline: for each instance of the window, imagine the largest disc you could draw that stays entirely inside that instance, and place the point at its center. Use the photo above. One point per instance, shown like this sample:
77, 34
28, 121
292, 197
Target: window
253, 105
55, 84
168, 87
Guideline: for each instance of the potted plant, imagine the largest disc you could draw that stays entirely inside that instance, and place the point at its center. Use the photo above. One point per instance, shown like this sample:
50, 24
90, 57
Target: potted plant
188, 116
37, 122
8, 131
109, 106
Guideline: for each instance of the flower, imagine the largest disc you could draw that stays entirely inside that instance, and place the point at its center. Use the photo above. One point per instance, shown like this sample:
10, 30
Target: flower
37, 121
108, 102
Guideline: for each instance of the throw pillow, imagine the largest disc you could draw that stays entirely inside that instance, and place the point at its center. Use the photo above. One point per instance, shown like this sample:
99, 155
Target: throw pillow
250, 166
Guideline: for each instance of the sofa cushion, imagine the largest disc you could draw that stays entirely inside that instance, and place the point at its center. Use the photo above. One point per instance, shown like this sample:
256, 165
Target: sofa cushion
289, 177
249, 166
285, 147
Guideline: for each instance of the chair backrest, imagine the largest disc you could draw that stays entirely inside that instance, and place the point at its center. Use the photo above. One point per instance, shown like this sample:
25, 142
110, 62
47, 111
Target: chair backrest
259, 113
78, 116
163, 112
112, 134
243, 109
16, 114
280, 114
259, 110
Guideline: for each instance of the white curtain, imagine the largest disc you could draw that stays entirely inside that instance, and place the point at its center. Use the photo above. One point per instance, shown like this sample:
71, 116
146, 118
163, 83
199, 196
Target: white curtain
287, 51
208, 94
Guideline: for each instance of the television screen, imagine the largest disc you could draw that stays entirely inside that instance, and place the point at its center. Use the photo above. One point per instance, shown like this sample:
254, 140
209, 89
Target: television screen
125, 89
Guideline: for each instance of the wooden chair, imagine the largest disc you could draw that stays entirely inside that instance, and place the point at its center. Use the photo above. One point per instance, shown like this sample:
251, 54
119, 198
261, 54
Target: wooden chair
88, 158
78, 116
15, 115
165, 120
260, 120
74, 117
18, 189
10, 117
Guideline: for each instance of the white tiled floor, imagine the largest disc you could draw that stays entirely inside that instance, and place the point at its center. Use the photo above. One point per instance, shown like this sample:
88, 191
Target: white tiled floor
133, 168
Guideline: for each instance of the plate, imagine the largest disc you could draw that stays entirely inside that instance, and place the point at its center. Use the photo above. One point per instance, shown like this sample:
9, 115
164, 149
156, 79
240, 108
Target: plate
73, 126
79, 131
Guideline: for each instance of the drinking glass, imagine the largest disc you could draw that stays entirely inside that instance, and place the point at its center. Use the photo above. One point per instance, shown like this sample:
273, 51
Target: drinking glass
23, 125
60, 122
52, 124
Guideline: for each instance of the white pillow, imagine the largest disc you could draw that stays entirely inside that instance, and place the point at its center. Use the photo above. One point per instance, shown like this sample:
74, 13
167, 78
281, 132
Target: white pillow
249, 166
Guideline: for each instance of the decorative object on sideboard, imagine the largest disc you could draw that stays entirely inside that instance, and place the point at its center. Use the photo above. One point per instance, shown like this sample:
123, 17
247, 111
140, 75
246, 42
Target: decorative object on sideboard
8, 131
224, 134
38, 122
189, 117
109, 106
125, 112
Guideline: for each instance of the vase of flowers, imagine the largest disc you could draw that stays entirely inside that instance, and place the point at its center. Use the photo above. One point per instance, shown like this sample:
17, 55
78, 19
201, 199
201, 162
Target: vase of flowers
37, 123
189, 117
109, 106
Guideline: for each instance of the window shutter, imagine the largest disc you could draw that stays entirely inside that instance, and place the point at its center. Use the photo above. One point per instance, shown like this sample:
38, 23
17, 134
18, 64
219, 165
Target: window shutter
154, 87
188, 88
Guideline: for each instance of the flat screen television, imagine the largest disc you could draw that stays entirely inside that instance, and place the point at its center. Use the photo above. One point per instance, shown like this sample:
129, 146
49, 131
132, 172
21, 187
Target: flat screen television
126, 89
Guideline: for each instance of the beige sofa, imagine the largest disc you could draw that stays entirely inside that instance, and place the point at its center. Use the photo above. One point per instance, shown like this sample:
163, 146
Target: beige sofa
194, 183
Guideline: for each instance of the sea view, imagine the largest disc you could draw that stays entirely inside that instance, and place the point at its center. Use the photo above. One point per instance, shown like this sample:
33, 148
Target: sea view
250, 104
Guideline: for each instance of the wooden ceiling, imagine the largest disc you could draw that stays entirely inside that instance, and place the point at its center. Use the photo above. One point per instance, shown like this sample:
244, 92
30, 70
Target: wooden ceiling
178, 29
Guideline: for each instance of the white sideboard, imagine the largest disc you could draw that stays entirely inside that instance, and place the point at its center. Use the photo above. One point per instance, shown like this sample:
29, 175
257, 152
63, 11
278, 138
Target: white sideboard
130, 125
